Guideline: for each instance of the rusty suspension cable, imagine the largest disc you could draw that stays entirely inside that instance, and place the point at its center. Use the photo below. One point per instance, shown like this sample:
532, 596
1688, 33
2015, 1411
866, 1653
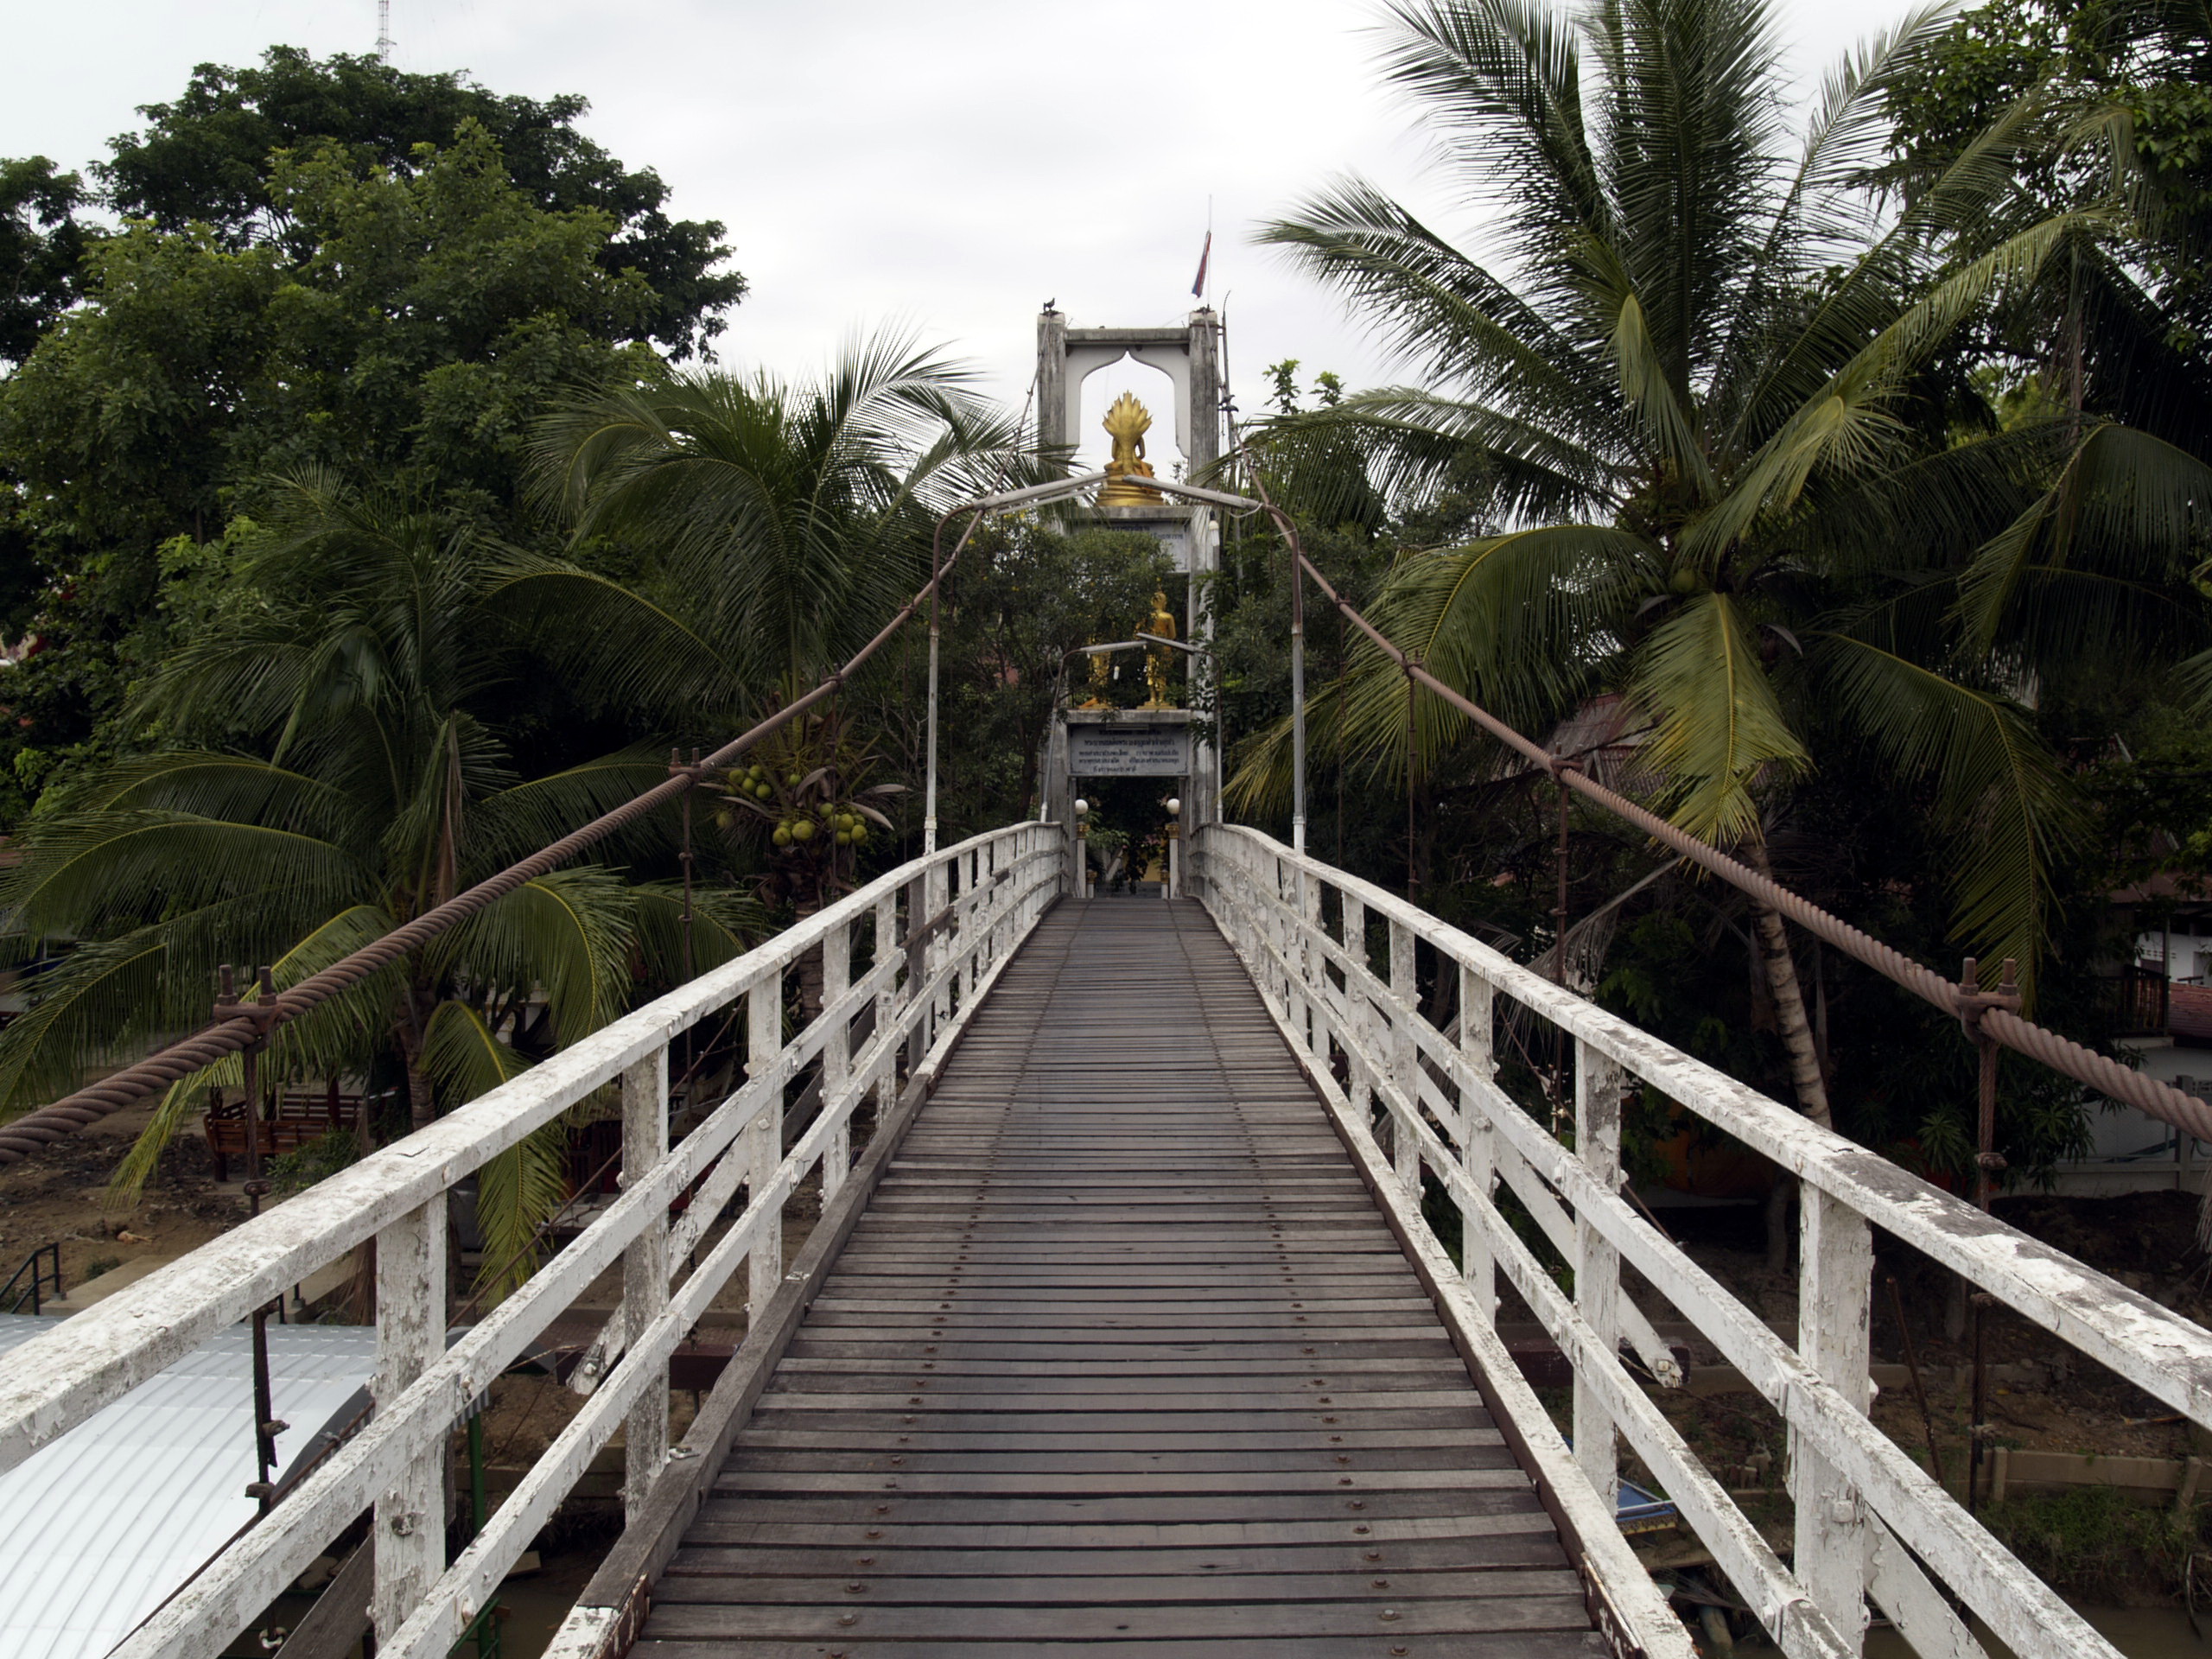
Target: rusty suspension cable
232, 1035
1977, 1011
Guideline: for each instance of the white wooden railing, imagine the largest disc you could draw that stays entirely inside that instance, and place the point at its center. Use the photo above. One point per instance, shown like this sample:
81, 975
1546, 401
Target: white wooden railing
1411, 1097
940, 928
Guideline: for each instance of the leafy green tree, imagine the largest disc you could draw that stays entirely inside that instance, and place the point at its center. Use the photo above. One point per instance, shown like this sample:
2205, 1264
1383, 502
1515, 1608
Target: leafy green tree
41, 242
1025, 595
328, 783
775, 526
1701, 396
408, 333
211, 158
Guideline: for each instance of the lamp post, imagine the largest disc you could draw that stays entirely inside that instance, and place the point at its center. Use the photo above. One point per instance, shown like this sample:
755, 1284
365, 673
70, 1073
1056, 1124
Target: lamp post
1080, 880
1172, 887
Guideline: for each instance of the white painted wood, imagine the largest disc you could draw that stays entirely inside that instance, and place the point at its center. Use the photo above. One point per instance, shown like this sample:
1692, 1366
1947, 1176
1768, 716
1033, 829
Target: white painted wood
1902, 1514
1597, 1263
645, 1270
477, 1575
836, 1054
885, 915
764, 1134
586, 1633
936, 894
1478, 1157
201, 1619
1543, 1205
1404, 1053
409, 1527
975, 962
1835, 1308
49, 1385
1919, 1610
1628, 1590
1308, 890
2166, 1356
725, 1174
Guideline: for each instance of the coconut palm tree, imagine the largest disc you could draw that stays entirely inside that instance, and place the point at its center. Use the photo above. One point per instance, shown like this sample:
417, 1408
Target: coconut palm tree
339, 787
1695, 384
775, 525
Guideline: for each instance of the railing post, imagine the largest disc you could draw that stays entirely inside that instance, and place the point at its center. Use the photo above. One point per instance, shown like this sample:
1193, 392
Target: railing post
939, 877
973, 930
763, 1137
1312, 1022
1597, 1263
1478, 1156
886, 1004
917, 916
836, 1058
1282, 921
1405, 1057
1836, 1291
644, 1271
411, 1518
1352, 1029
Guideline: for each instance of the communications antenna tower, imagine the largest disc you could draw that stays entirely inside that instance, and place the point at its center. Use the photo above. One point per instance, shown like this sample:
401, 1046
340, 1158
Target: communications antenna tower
384, 31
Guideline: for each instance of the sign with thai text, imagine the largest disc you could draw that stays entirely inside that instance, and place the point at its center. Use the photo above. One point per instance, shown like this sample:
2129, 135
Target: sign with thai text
1128, 751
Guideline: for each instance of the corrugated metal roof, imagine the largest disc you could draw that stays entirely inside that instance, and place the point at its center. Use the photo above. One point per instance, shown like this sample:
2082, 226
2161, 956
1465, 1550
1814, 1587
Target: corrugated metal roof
102, 1526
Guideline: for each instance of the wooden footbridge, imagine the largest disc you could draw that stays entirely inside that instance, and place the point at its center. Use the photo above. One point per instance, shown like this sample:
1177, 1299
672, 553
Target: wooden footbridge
1122, 1328
1122, 1351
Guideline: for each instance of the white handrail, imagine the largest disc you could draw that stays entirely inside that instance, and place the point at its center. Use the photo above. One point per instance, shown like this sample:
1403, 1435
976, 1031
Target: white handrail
1868, 1518
967, 907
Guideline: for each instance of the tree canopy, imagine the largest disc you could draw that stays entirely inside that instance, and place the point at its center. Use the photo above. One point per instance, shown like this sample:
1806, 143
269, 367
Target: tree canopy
210, 158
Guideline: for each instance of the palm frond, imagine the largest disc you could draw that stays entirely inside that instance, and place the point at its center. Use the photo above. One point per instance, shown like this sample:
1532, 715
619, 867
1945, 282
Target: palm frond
1719, 728
2128, 506
517, 1190
726, 923
178, 1102
567, 934
2002, 801
506, 825
663, 666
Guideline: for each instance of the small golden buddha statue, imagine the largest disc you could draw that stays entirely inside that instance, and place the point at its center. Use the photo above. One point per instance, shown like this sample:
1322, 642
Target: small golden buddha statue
1126, 423
1157, 659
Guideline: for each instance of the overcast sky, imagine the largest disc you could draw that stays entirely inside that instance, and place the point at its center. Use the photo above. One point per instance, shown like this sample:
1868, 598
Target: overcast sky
947, 166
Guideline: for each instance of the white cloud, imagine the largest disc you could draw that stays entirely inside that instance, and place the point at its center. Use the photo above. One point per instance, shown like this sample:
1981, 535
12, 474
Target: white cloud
951, 165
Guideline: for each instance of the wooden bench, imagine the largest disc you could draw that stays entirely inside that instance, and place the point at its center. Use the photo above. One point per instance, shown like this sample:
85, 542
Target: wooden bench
299, 1119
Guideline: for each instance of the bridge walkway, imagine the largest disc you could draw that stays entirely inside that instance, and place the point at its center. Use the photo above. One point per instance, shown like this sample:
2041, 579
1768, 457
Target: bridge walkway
1121, 1355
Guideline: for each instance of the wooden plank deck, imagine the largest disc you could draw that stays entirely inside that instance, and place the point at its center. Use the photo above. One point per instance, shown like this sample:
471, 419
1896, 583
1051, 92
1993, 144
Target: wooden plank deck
1121, 1358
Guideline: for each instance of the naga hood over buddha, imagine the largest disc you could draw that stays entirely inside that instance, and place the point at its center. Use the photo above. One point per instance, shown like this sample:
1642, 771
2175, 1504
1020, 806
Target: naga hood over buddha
1126, 423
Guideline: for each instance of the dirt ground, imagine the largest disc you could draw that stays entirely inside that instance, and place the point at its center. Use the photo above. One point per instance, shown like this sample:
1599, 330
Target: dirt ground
59, 1196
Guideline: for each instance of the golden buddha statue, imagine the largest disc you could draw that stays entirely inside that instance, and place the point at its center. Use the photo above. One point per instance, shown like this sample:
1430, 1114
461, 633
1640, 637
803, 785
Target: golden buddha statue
1126, 423
1100, 677
1161, 623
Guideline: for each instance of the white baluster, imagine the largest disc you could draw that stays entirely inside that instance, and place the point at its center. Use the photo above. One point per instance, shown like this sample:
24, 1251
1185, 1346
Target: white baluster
1835, 1280
1351, 934
645, 1271
764, 1135
1477, 1153
411, 1518
1597, 1263
836, 1058
1405, 1058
